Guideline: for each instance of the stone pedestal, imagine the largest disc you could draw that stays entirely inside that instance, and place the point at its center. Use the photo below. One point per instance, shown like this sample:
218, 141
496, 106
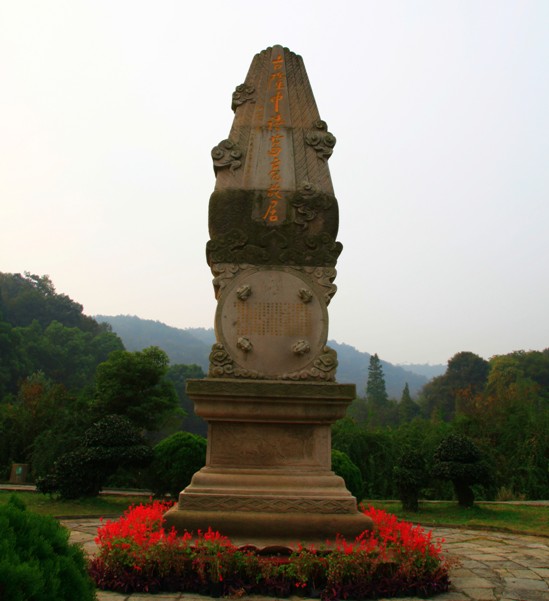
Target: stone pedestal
268, 477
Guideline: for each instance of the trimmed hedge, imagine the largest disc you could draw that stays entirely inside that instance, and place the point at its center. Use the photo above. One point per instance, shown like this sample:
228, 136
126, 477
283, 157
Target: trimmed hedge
175, 461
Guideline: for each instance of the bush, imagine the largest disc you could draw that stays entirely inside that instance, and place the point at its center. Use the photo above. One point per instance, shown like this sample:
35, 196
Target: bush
459, 460
411, 476
36, 560
109, 444
344, 467
175, 461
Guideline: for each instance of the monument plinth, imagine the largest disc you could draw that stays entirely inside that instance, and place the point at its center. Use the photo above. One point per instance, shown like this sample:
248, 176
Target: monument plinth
270, 396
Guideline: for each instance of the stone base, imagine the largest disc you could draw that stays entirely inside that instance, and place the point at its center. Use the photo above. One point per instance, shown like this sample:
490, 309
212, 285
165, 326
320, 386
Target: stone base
268, 477
265, 529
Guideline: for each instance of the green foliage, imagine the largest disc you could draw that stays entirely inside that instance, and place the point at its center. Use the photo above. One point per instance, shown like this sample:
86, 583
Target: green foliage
344, 467
134, 385
176, 459
36, 560
408, 409
458, 459
376, 393
109, 444
178, 375
371, 451
410, 474
465, 377
40, 404
30, 297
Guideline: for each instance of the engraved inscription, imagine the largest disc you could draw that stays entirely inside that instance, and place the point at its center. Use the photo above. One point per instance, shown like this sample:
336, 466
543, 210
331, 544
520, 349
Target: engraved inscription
273, 319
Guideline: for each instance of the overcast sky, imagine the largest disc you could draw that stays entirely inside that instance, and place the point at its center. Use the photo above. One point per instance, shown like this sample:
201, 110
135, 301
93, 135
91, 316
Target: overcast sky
109, 110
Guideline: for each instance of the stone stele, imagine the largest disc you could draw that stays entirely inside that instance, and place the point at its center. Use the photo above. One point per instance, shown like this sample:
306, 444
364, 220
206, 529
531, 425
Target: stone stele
271, 397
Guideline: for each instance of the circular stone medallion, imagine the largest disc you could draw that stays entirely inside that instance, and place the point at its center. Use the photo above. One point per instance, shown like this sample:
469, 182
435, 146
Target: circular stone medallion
272, 321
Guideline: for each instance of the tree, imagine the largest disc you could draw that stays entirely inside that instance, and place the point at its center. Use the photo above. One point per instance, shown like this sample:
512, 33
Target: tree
134, 385
346, 469
109, 444
465, 377
28, 297
410, 473
176, 459
407, 408
459, 460
376, 393
179, 374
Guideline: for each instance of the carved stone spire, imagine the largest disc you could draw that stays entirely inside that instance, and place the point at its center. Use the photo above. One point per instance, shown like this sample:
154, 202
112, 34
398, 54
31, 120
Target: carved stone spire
274, 202
270, 397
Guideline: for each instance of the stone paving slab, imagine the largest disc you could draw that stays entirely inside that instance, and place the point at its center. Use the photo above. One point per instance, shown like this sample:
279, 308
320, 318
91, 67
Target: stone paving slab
494, 566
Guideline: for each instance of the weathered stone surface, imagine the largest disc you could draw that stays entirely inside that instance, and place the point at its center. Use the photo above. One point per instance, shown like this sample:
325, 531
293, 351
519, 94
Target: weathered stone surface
274, 202
273, 323
268, 467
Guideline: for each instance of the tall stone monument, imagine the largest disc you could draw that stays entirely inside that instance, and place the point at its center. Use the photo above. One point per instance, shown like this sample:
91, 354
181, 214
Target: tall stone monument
270, 396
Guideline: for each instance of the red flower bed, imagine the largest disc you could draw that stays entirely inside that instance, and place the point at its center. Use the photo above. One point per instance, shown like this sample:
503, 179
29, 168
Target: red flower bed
136, 553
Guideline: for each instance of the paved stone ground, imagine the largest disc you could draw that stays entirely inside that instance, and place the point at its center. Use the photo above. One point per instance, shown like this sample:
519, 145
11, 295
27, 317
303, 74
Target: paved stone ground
494, 566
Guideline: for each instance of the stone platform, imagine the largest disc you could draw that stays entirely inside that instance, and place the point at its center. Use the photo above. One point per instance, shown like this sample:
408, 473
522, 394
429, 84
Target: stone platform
268, 467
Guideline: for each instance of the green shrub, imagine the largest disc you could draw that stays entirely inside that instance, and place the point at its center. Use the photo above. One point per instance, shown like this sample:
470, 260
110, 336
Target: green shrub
109, 444
344, 467
410, 474
36, 560
459, 460
176, 459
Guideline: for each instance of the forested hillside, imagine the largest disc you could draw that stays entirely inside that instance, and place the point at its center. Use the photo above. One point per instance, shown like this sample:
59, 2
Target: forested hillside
193, 345
61, 371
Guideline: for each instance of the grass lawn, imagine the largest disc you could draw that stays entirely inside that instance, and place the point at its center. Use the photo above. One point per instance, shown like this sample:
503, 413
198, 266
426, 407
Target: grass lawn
103, 505
515, 518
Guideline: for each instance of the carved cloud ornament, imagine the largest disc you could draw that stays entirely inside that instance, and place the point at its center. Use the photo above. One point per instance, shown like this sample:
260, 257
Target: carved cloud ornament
226, 155
321, 140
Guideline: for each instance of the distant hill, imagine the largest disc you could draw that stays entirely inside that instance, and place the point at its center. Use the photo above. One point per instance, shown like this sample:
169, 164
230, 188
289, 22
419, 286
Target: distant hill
193, 345
425, 369
353, 367
182, 346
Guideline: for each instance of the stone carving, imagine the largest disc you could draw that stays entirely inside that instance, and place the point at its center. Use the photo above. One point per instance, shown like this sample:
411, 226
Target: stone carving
282, 247
222, 365
305, 295
243, 93
324, 368
321, 140
308, 203
323, 276
244, 344
267, 504
301, 347
226, 154
244, 292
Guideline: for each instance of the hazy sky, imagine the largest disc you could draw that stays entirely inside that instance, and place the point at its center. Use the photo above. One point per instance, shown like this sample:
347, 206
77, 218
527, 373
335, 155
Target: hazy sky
109, 110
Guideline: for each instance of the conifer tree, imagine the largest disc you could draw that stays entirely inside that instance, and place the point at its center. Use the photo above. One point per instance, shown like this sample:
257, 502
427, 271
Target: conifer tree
407, 408
376, 393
